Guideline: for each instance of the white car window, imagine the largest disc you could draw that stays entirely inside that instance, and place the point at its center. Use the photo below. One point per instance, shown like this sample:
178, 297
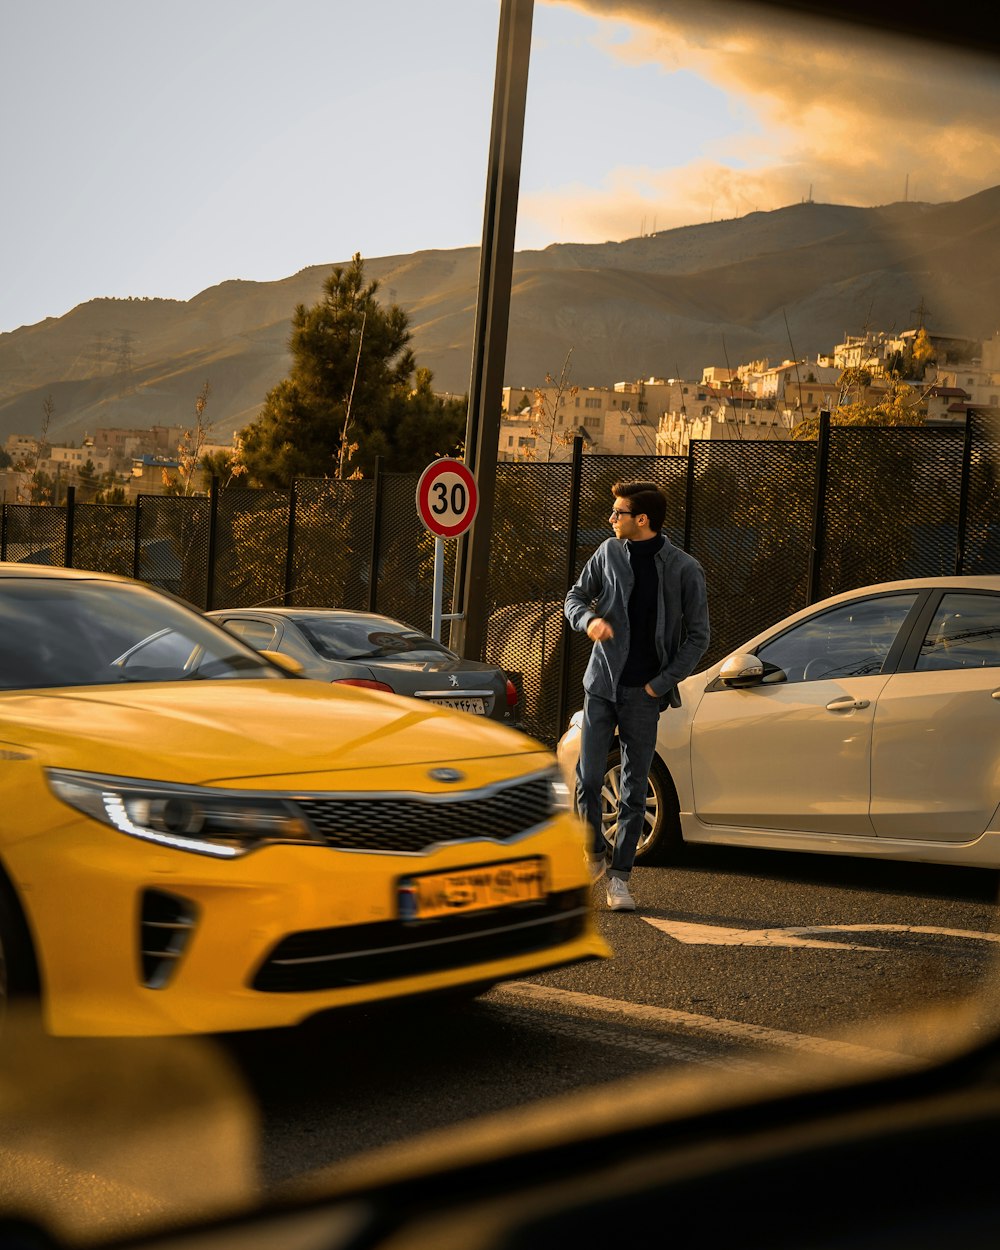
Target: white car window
965, 633
851, 640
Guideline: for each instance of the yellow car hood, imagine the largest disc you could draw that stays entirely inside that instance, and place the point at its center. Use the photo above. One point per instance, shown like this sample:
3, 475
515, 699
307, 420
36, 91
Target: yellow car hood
227, 731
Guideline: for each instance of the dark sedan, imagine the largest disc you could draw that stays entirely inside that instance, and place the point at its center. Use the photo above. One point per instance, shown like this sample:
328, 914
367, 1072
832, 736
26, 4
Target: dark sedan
379, 652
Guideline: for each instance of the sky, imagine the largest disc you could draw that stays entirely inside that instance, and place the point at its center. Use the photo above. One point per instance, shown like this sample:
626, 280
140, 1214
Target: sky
152, 149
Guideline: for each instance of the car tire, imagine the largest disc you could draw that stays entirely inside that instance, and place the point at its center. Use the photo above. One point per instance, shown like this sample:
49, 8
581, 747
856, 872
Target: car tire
19, 983
661, 838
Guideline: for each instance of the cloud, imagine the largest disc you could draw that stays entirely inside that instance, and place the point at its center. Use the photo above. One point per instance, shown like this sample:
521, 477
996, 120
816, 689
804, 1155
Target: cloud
848, 115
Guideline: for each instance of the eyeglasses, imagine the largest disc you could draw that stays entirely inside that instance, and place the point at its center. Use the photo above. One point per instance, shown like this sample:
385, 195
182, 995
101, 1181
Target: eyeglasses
617, 512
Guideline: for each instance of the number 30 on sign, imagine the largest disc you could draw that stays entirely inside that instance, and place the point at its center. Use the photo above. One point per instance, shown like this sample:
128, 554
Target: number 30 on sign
447, 498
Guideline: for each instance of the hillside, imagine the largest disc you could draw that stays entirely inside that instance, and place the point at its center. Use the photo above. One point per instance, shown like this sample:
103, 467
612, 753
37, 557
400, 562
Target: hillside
760, 286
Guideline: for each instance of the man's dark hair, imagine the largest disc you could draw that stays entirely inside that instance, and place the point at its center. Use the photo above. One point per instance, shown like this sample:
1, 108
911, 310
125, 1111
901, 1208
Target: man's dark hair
644, 497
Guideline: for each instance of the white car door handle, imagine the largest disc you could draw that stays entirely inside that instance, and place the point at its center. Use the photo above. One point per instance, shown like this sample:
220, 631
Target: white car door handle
845, 704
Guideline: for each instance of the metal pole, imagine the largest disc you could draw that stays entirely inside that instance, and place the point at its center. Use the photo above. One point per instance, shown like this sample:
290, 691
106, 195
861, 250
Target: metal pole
566, 640
689, 498
375, 553
213, 517
496, 265
819, 508
290, 547
963, 497
70, 521
438, 600
137, 539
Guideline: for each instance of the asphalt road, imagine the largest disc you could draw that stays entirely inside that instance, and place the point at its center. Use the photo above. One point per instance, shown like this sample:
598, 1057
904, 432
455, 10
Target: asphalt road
738, 967
735, 959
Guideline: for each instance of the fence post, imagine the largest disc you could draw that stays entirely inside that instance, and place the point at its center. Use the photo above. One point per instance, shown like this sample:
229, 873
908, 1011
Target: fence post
3, 531
963, 496
137, 540
375, 554
213, 517
566, 637
689, 498
70, 519
819, 508
290, 546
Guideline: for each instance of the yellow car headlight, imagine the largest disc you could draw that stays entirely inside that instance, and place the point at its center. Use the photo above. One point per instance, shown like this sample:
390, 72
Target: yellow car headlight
189, 818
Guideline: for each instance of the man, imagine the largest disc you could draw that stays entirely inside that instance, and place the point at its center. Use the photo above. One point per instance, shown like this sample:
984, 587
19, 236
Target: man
642, 602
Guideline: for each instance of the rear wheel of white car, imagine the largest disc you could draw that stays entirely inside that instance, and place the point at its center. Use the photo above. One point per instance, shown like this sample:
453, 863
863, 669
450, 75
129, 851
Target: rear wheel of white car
660, 838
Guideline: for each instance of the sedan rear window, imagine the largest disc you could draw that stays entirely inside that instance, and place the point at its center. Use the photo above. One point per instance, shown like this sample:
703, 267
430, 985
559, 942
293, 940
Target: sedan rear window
354, 638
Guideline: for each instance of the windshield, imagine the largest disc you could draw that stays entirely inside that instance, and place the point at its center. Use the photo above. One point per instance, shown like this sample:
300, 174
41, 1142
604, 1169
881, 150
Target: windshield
79, 633
368, 638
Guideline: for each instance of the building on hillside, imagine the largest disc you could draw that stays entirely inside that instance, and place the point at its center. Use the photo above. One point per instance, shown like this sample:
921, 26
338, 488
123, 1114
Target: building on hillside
713, 375
865, 351
720, 417
787, 383
70, 460
153, 475
124, 444
946, 404
22, 448
540, 423
978, 379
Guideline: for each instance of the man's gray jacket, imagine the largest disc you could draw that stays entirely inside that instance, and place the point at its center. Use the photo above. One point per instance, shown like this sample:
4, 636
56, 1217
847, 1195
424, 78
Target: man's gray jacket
682, 633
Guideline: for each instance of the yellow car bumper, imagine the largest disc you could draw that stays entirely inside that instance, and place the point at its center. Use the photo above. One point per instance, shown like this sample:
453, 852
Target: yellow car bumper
134, 939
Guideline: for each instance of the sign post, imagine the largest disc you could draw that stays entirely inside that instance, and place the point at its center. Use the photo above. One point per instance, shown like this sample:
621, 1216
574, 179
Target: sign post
447, 503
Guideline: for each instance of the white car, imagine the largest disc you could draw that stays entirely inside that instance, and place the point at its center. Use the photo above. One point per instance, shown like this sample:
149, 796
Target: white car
866, 724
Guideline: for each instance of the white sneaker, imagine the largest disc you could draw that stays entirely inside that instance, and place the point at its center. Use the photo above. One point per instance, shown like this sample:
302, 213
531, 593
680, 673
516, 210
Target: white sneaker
619, 898
597, 866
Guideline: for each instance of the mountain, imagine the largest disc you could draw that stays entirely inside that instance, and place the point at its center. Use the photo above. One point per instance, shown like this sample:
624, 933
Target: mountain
769, 285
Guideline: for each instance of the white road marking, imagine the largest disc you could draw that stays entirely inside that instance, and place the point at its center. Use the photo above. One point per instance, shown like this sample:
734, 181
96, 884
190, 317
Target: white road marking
724, 1030
716, 935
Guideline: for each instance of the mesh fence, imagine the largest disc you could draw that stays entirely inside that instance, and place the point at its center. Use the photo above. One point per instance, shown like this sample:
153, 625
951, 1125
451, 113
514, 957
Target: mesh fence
174, 542
891, 505
405, 586
895, 502
982, 530
251, 540
104, 538
332, 543
527, 582
750, 527
33, 534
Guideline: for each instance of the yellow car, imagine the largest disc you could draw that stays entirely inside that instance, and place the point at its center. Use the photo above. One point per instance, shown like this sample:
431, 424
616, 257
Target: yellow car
195, 840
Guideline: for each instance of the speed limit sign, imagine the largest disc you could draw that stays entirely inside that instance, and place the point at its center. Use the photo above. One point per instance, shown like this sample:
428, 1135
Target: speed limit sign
447, 498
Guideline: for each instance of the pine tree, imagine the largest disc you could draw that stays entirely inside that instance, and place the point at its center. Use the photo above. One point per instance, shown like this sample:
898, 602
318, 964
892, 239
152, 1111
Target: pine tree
350, 393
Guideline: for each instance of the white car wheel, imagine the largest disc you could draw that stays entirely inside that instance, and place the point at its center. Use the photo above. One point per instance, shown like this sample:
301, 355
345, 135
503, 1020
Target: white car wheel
661, 832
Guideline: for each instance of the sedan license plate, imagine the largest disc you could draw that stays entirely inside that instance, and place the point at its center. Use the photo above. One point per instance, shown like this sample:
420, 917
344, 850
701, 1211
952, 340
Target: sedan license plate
476, 706
473, 889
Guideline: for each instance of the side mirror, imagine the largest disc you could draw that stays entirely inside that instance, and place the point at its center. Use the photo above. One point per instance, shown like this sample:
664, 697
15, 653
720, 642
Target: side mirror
287, 662
744, 669
741, 669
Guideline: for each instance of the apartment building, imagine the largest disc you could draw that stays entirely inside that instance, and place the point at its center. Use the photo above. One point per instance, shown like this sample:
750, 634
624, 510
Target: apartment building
67, 461
540, 423
973, 383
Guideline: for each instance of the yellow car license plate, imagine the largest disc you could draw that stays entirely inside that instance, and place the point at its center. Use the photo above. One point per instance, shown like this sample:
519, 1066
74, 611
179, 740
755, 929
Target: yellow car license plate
473, 889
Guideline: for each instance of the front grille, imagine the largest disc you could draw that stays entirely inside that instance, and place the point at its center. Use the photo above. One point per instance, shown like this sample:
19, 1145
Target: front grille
166, 923
409, 824
326, 959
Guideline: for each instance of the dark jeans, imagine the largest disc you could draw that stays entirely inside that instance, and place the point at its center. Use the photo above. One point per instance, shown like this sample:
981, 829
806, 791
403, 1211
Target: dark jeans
636, 714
